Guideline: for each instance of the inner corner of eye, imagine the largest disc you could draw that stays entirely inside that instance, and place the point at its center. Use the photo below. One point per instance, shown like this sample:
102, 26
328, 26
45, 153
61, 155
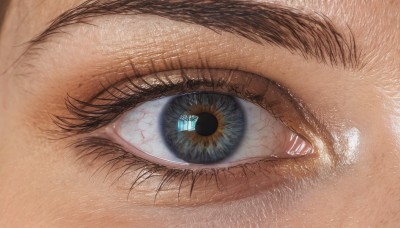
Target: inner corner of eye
206, 128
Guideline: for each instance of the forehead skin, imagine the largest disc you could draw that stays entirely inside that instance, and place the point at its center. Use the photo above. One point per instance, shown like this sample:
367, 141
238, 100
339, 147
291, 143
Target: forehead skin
356, 200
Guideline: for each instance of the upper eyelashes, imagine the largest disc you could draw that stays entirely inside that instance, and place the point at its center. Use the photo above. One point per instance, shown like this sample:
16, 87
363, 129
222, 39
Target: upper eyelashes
87, 116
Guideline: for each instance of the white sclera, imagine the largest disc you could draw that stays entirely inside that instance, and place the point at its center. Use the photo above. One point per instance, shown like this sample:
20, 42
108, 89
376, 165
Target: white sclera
264, 136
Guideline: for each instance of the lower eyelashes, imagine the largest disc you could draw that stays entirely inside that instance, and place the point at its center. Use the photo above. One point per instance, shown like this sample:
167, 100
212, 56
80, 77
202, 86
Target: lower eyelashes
216, 129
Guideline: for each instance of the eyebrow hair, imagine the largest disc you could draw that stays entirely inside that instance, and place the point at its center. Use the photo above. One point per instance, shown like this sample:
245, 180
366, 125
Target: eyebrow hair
3, 9
308, 34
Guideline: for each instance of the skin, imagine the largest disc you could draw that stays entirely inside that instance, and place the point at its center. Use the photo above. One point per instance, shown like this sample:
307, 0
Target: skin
42, 185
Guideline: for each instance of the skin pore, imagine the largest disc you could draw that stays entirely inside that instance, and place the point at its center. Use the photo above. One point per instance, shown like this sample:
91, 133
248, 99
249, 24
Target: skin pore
352, 91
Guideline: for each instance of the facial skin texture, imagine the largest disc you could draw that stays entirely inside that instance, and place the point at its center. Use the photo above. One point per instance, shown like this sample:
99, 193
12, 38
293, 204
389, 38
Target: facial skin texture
42, 184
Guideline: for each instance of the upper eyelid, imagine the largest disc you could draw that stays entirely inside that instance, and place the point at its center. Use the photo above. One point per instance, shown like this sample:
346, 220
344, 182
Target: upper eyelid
86, 116
312, 35
123, 97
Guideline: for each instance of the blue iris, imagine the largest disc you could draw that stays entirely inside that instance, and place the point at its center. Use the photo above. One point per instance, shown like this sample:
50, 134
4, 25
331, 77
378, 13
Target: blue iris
203, 128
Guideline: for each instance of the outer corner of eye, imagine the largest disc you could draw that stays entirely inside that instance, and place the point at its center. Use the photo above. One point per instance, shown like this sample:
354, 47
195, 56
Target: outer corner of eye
206, 129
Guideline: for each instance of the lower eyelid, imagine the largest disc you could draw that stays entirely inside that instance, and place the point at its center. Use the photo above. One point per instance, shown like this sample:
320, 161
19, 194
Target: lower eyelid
146, 183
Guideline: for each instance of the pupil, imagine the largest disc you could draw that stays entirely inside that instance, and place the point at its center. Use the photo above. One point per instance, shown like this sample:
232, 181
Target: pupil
207, 124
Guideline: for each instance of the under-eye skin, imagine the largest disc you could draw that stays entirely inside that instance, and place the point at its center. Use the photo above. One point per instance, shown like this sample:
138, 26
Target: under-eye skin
173, 176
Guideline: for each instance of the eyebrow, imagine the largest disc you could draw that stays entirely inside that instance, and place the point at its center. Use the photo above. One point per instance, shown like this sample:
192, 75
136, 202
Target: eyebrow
311, 35
3, 8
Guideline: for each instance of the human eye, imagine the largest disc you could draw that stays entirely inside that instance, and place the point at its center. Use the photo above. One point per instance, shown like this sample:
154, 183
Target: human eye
182, 136
206, 129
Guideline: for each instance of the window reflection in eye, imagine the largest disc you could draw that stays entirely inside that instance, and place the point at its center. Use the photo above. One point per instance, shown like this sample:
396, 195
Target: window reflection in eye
197, 130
